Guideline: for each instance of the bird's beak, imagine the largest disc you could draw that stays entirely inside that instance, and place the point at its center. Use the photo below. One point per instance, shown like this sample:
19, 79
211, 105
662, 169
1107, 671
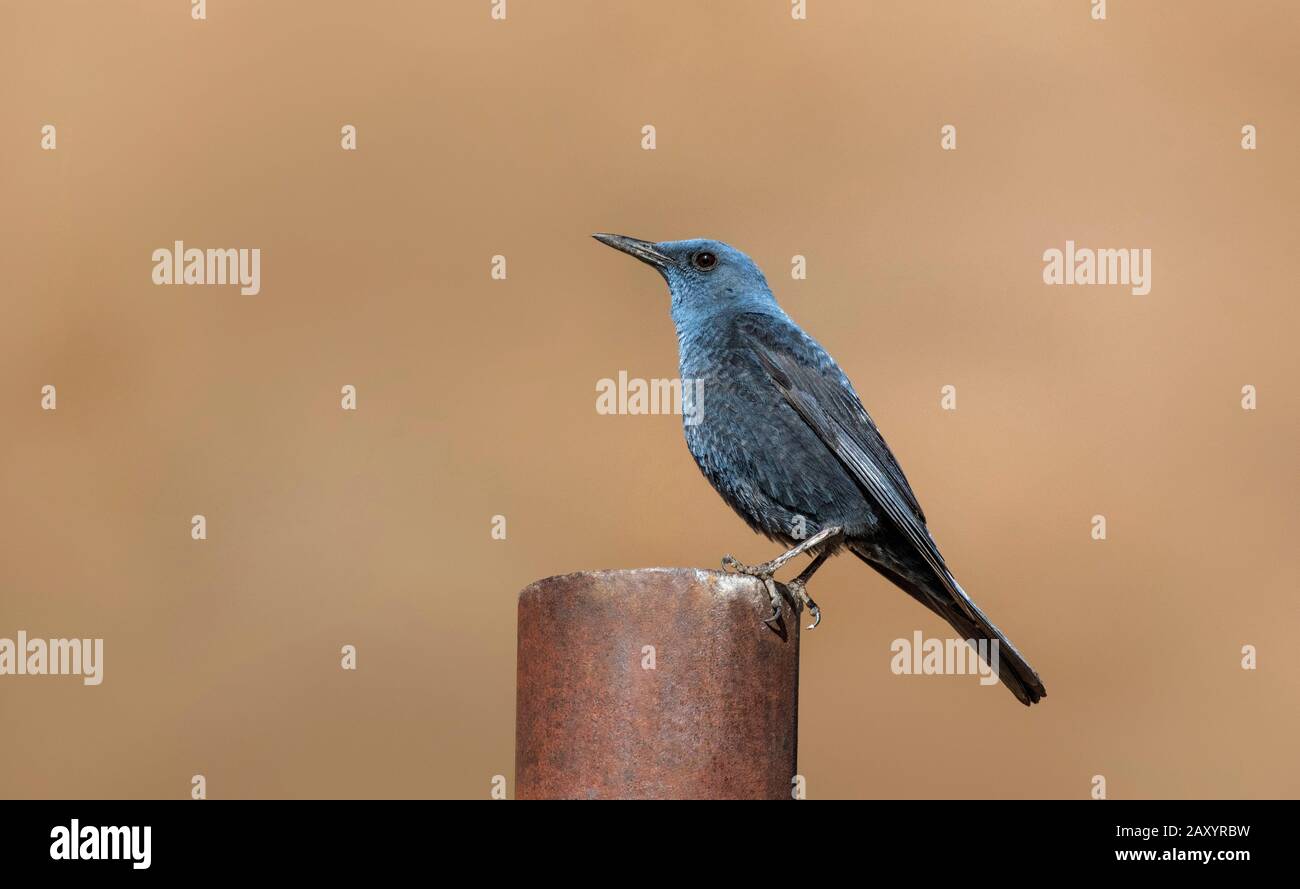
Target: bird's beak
642, 250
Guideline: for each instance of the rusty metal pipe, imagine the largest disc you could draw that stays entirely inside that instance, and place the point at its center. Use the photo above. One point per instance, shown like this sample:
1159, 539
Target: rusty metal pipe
654, 683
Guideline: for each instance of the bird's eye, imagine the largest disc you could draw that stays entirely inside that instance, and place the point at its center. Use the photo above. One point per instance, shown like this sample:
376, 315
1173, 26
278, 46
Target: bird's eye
704, 260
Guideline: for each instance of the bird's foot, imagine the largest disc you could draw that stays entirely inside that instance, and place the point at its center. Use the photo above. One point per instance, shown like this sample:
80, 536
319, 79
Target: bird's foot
800, 590
764, 574
762, 570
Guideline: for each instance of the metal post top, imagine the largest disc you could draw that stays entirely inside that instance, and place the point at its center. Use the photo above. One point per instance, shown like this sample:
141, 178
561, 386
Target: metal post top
611, 580
655, 682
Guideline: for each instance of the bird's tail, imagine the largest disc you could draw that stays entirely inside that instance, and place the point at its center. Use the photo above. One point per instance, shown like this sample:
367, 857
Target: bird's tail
1013, 669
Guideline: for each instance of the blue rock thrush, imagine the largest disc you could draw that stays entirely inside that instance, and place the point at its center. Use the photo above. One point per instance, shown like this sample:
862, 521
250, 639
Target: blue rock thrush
784, 438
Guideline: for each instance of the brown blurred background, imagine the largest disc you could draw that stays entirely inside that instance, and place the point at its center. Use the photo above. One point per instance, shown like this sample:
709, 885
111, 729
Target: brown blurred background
477, 397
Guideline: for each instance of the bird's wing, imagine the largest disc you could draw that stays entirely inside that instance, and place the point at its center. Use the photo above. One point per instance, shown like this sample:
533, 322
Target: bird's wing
825, 400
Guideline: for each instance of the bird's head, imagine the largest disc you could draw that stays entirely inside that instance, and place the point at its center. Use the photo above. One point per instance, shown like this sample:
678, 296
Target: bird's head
706, 278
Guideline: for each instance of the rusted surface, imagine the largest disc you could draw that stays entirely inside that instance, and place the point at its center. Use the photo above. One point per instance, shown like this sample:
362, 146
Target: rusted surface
716, 717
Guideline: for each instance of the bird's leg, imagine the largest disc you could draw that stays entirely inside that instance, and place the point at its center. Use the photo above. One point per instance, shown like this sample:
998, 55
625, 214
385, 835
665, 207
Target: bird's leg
767, 569
799, 586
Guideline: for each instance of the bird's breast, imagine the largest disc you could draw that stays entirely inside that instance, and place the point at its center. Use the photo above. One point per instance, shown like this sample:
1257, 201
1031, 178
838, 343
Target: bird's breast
759, 454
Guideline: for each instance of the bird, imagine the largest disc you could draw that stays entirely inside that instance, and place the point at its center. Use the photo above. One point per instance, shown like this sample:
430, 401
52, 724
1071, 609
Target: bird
783, 437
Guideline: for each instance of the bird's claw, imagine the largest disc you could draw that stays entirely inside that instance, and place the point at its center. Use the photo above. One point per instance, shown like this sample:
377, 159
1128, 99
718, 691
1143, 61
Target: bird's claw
763, 573
799, 588
774, 596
